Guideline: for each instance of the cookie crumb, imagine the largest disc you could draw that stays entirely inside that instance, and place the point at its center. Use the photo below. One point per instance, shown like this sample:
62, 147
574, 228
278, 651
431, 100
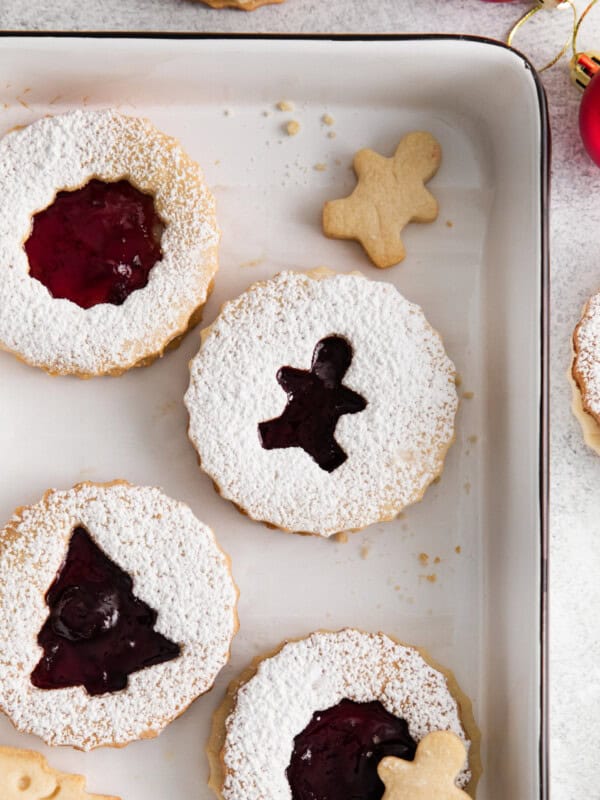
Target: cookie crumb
320, 167
449, 223
458, 549
292, 127
328, 119
458, 379
254, 263
285, 105
472, 439
424, 559
437, 560
217, 162
365, 550
331, 135
342, 537
468, 395
430, 578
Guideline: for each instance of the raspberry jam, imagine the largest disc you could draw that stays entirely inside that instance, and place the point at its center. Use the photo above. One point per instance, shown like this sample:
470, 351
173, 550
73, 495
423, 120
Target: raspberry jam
98, 631
96, 244
336, 755
316, 400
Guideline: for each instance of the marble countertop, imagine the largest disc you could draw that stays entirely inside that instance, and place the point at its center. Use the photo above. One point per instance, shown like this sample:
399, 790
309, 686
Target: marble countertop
575, 251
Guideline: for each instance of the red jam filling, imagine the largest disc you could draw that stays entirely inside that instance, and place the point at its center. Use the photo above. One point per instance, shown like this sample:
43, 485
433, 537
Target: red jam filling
96, 244
316, 400
336, 755
98, 632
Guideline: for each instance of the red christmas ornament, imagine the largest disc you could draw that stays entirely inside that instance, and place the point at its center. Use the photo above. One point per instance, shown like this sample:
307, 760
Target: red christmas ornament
586, 74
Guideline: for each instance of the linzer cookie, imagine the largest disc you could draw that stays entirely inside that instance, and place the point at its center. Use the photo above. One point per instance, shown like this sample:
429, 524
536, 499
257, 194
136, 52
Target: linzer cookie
321, 403
584, 374
315, 719
390, 193
26, 775
108, 243
117, 610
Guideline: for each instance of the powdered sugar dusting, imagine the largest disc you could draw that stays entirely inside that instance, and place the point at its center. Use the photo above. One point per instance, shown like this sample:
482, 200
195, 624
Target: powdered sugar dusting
586, 364
395, 447
315, 674
65, 152
177, 569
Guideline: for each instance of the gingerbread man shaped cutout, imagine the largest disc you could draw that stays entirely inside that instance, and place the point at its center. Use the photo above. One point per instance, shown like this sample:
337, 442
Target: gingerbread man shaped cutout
25, 775
439, 758
389, 194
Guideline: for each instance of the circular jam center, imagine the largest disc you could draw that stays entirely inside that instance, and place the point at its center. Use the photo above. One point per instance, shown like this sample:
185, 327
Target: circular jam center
96, 244
336, 755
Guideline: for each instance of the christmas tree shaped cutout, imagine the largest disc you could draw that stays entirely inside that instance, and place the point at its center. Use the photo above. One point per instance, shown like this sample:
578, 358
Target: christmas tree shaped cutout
98, 632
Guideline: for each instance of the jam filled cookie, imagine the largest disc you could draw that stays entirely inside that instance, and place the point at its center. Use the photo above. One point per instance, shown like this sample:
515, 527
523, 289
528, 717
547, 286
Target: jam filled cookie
321, 403
26, 775
108, 243
314, 720
584, 374
117, 610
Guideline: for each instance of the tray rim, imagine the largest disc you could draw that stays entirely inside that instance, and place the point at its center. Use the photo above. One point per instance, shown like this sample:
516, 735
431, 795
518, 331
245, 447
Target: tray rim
544, 267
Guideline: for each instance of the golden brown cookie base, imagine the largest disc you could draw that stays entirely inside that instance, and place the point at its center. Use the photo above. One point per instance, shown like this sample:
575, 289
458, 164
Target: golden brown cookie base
236, 4
216, 741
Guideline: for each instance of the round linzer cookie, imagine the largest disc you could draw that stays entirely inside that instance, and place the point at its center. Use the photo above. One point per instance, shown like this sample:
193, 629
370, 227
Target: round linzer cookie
314, 720
108, 243
321, 403
584, 374
117, 610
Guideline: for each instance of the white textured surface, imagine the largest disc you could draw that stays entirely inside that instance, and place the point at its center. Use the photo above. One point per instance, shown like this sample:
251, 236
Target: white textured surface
177, 569
65, 151
395, 446
315, 674
575, 244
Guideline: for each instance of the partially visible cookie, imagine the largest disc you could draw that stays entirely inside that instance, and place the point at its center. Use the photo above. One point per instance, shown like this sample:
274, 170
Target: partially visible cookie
314, 719
243, 5
26, 775
390, 193
584, 374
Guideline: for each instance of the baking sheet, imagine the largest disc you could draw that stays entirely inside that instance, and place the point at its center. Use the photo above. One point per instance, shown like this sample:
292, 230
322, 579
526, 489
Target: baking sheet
475, 601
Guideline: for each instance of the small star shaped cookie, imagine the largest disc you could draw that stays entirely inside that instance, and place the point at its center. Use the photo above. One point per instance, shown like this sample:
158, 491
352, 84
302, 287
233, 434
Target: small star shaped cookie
390, 193
25, 775
439, 758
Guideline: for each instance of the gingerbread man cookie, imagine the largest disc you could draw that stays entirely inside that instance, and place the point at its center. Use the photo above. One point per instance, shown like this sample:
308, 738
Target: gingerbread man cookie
439, 759
26, 775
390, 193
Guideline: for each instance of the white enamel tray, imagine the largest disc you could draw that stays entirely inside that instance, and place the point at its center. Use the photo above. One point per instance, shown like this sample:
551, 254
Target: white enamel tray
480, 274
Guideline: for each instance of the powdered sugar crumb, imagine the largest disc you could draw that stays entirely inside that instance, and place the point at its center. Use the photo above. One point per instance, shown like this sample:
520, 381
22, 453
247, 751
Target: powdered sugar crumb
65, 152
395, 447
314, 674
177, 569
